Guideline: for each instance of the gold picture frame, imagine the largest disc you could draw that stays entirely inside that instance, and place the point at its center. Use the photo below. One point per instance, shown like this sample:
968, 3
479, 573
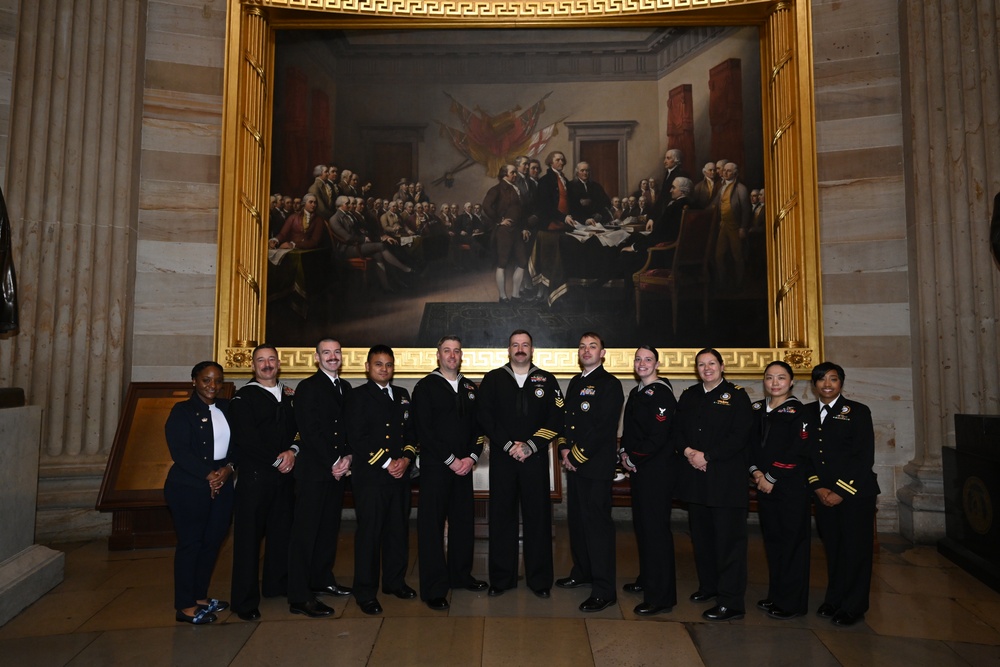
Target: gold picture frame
788, 111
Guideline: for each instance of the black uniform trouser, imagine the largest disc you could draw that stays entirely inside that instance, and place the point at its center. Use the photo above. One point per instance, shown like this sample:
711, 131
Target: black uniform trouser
382, 537
652, 498
315, 530
846, 531
719, 538
444, 498
516, 484
592, 534
263, 512
201, 524
785, 524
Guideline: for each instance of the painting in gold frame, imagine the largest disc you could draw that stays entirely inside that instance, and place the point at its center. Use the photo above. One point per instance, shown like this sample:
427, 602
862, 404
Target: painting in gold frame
789, 167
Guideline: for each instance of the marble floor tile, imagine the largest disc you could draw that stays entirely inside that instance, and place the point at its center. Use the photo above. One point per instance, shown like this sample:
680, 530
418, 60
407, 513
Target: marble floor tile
926, 556
342, 642
521, 602
512, 641
977, 654
59, 613
865, 650
928, 617
145, 607
949, 582
724, 645
166, 647
55, 651
621, 644
415, 641
987, 611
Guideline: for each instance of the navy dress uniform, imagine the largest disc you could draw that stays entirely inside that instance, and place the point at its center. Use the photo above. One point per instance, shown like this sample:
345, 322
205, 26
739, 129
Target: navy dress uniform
778, 450
841, 455
593, 409
380, 429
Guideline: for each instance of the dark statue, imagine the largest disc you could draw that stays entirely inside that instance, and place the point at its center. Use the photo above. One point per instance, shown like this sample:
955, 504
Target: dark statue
8, 284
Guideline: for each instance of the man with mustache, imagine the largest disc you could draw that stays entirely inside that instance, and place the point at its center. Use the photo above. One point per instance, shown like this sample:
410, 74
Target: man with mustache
521, 412
262, 421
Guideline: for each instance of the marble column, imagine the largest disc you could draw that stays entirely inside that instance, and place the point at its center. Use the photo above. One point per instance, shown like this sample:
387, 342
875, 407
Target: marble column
75, 119
952, 103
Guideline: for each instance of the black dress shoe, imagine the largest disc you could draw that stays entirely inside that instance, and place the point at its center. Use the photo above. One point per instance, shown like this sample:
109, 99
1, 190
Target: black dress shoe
570, 582
780, 614
846, 619
333, 589
651, 609
495, 591
542, 593
201, 617
404, 592
596, 604
371, 607
698, 596
719, 613
765, 604
312, 609
438, 604
826, 610
634, 587
477, 586
215, 605
252, 615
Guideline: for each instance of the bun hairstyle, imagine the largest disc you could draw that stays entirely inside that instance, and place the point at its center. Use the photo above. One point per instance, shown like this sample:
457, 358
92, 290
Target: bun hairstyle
788, 369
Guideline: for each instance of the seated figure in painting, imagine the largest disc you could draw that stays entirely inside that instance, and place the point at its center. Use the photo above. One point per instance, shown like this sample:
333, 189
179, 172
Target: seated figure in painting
350, 240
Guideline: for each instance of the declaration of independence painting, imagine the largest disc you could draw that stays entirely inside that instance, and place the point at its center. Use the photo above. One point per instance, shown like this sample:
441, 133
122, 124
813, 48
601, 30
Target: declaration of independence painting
475, 181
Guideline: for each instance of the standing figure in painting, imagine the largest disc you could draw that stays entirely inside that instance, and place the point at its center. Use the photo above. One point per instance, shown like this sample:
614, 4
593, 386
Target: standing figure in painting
733, 211
777, 449
521, 411
502, 205
841, 455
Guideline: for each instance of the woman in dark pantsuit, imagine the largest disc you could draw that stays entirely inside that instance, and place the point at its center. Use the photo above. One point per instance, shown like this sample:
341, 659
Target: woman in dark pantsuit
199, 492
777, 450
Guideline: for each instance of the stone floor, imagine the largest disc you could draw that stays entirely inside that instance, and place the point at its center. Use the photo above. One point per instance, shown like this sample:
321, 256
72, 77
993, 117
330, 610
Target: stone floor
115, 609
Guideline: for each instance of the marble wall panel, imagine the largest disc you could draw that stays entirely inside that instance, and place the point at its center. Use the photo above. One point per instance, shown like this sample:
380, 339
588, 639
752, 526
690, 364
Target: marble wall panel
873, 71
8, 43
184, 48
851, 165
867, 319
861, 40
862, 131
180, 319
181, 223
892, 351
891, 287
182, 106
181, 289
181, 136
849, 102
863, 209
178, 166
167, 373
167, 258
183, 78
176, 195
205, 18
863, 256
168, 350
834, 16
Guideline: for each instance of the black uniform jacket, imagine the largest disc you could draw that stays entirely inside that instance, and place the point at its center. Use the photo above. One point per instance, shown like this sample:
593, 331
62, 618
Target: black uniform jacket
842, 449
532, 413
649, 417
320, 415
262, 427
593, 408
379, 429
191, 440
446, 421
778, 441
716, 423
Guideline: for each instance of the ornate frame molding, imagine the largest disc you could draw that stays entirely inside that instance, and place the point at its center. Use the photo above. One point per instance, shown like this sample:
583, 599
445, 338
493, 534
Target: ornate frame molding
789, 160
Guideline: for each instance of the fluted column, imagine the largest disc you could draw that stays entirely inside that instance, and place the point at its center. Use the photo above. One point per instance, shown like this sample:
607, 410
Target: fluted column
71, 191
953, 170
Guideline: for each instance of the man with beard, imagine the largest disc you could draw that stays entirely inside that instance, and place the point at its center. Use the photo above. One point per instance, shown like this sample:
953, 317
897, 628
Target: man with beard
589, 453
262, 421
451, 442
521, 412
322, 464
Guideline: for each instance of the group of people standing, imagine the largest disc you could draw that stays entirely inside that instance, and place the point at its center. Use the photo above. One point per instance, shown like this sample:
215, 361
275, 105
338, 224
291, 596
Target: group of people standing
294, 450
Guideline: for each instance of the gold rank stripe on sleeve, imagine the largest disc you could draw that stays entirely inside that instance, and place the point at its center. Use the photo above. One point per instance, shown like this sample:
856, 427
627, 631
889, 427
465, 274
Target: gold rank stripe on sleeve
410, 448
846, 487
813, 479
548, 434
374, 459
481, 440
578, 454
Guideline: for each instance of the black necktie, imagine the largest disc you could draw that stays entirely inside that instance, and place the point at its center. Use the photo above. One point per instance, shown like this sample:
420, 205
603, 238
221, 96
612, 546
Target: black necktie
823, 412
385, 390
336, 385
